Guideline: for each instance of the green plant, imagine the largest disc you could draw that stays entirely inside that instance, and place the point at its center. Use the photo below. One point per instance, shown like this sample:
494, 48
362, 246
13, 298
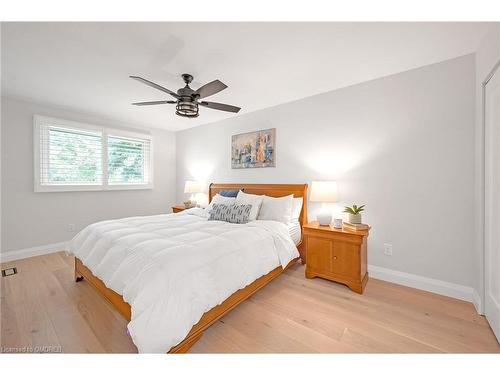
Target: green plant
354, 210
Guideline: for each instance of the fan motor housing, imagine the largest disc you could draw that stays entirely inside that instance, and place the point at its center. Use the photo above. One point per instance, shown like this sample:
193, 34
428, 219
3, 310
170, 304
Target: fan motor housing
186, 91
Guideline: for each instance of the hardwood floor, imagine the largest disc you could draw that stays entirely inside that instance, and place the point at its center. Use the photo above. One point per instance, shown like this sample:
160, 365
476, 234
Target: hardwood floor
43, 306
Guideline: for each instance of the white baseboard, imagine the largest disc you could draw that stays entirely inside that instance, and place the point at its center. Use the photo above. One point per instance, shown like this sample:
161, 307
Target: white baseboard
444, 288
9, 256
476, 300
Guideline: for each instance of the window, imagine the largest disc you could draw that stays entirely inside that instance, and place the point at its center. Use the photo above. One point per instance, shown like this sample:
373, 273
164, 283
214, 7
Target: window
127, 158
74, 156
70, 157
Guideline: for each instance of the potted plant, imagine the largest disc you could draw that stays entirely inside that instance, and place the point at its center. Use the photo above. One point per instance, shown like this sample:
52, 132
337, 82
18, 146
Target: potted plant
354, 213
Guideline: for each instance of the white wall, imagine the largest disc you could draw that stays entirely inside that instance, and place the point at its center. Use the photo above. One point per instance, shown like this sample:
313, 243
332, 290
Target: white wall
487, 55
32, 219
403, 145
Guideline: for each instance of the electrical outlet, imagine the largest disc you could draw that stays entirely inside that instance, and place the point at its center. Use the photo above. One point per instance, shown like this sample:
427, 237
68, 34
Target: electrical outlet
71, 227
388, 249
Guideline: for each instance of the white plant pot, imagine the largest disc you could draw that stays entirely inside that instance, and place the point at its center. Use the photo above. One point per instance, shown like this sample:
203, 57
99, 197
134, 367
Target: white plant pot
355, 219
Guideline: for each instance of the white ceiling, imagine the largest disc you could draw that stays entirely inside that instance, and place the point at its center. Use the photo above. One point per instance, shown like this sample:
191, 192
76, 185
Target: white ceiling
85, 66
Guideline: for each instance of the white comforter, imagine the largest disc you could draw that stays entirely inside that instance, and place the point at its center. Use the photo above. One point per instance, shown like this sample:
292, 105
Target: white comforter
173, 268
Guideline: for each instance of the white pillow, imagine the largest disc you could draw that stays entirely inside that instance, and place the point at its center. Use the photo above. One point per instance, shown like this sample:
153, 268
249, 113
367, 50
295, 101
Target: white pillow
277, 209
296, 208
254, 200
219, 199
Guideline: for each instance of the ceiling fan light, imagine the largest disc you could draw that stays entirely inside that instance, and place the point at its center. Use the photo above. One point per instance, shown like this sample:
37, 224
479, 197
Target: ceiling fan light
186, 109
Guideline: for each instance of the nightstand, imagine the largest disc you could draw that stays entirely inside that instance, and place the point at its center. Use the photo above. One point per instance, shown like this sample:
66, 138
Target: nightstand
336, 254
178, 208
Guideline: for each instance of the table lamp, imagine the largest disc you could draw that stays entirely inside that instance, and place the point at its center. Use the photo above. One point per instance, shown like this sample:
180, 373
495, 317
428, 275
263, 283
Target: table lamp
324, 192
192, 187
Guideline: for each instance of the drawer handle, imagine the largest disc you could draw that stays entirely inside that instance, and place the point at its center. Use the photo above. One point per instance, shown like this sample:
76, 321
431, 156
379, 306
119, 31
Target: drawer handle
334, 257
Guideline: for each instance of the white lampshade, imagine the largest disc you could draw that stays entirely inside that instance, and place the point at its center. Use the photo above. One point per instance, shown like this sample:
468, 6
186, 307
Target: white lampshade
323, 191
192, 187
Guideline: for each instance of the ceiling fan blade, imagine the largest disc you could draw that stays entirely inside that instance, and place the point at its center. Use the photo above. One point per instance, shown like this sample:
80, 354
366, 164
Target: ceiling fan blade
210, 88
156, 102
158, 87
221, 107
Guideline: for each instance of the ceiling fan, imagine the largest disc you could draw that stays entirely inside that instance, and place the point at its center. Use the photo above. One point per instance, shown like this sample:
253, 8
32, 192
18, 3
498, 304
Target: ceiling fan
188, 99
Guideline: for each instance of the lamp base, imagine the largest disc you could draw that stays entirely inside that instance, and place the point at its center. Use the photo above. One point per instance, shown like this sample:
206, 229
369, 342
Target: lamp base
193, 200
324, 218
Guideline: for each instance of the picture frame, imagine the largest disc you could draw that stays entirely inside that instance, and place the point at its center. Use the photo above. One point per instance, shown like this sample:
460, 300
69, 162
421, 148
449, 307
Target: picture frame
256, 149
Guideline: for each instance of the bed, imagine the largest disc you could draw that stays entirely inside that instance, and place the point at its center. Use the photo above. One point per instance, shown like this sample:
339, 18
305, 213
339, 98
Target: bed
216, 251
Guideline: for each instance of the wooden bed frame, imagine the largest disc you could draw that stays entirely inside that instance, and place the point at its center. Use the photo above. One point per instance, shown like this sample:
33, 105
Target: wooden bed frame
211, 316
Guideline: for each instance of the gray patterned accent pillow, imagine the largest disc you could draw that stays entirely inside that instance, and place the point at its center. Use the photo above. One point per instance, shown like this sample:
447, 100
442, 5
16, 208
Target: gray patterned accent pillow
232, 213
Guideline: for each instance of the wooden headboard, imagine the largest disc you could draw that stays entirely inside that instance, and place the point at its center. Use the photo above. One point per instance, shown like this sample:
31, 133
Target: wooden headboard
272, 190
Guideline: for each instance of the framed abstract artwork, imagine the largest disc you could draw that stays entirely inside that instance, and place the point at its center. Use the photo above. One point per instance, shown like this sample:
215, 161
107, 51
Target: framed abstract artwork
254, 150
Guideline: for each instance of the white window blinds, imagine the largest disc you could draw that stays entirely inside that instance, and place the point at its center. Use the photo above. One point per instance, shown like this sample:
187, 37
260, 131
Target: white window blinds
74, 156
128, 160
71, 156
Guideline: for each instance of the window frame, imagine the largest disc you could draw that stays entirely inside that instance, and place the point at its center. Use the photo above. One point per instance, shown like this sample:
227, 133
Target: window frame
41, 121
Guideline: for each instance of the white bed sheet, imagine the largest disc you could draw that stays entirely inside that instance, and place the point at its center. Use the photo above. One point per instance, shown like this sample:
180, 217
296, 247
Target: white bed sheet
173, 268
295, 232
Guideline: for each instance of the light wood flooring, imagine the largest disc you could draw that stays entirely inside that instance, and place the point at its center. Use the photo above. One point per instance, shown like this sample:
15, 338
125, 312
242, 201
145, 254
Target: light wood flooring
43, 306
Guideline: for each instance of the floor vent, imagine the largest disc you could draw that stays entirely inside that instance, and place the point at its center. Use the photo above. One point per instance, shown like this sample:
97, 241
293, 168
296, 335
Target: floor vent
9, 271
